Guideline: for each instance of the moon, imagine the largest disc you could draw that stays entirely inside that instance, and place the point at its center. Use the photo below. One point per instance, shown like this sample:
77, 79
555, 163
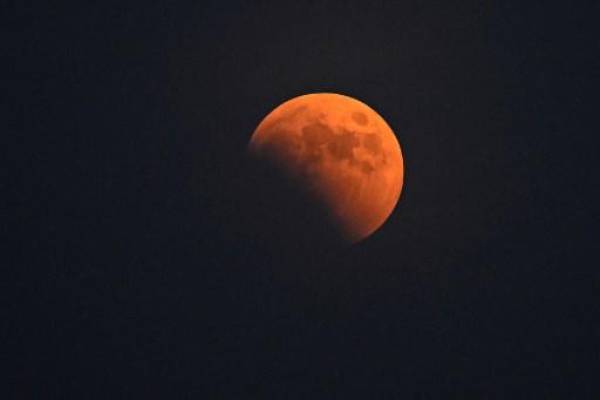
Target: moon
341, 152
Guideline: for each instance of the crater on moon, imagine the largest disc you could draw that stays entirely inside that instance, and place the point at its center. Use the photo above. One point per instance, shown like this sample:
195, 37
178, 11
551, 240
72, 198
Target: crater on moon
359, 118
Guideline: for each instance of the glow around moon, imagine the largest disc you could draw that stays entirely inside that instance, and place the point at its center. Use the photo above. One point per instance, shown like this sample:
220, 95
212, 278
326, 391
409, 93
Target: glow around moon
342, 152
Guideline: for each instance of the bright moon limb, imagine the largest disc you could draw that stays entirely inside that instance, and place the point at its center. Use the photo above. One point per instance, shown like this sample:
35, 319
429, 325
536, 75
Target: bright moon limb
342, 152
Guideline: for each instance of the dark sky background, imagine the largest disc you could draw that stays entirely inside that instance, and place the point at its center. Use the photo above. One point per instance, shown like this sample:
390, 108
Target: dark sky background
142, 264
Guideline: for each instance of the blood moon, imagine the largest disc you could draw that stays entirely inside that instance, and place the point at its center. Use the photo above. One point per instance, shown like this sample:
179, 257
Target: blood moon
341, 152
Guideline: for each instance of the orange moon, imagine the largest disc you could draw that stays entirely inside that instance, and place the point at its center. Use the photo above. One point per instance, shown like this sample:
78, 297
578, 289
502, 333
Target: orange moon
341, 152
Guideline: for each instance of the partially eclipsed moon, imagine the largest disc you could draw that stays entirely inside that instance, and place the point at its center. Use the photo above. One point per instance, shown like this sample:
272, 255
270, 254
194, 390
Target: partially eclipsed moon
340, 151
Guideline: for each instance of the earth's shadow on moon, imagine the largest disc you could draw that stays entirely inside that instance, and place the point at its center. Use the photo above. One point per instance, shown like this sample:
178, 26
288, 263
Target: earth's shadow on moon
282, 217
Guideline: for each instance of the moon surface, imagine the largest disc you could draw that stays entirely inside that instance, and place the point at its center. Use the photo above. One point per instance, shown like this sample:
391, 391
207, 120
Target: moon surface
341, 152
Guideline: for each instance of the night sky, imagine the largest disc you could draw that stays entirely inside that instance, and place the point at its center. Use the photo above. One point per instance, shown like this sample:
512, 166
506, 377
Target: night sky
148, 258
